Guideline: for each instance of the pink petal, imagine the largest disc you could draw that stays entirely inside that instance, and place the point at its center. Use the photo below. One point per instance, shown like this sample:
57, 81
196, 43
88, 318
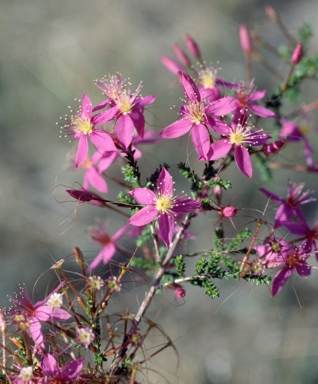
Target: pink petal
139, 121
222, 106
257, 95
145, 216
172, 65
219, 149
82, 151
103, 117
166, 227
176, 129
49, 366
261, 111
144, 196
165, 183
36, 332
102, 141
201, 139
71, 370
189, 87
125, 130
86, 110
280, 279
143, 101
92, 177
243, 160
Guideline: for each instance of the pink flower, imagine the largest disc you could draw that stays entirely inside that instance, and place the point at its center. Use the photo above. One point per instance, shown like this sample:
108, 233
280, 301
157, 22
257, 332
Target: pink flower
162, 206
236, 136
53, 373
292, 132
28, 316
197, 116
109, 246
245, 99
290, 205
83, 126
294, 260
279, 252
126, 107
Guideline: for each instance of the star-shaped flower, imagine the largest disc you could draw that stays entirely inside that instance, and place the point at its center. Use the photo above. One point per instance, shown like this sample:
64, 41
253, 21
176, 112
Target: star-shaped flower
161, 205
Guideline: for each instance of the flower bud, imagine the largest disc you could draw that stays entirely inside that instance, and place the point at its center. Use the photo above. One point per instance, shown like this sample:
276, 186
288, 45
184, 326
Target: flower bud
271, 13
245, 39
193, 47
297, 54
181, 55
171, 65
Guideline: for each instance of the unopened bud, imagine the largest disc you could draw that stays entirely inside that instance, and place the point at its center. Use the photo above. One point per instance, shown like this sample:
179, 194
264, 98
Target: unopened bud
79, 258
181, 55
297, 54
271, 13
171, 65
229, 211
245, 39
193, 47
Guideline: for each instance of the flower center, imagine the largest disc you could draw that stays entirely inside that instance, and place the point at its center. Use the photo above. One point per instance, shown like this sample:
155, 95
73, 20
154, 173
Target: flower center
207, 78
124, 103
196, 113
164, 203
237, 136
82, 126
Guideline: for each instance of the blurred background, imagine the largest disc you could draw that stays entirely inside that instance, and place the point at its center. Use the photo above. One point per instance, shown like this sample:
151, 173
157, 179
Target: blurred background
50, 53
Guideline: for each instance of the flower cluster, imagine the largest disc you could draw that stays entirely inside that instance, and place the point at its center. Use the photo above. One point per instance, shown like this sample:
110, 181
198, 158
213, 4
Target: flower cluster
74, 334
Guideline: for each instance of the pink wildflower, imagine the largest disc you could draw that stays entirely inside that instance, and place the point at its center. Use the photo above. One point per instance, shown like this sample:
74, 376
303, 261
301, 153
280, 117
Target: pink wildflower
31, 315
83, 126
162, 205
291, 205
126, 107
53, 373
197, 116
294, 260
292, 132
85, 336
245, 99
109, 246
236, 136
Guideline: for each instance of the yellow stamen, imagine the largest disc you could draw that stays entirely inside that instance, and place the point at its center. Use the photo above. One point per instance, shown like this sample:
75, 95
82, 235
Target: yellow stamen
163, 203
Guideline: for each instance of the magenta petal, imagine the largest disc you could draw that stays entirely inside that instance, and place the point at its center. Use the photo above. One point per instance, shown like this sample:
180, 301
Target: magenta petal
145, 216
49, 366
103, 117
86, 110
257, 95
166, 227
222, 106
139, 121
125, 130
71, 370
144, 196
171, 65
201, 139
43, 313
36, 332
243, 160
280, 279
184, 205
143, 101
261, 111
189, 87
219, 149
92, 177
165, 183
102, 141
82, 151
176, 129
59, 314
